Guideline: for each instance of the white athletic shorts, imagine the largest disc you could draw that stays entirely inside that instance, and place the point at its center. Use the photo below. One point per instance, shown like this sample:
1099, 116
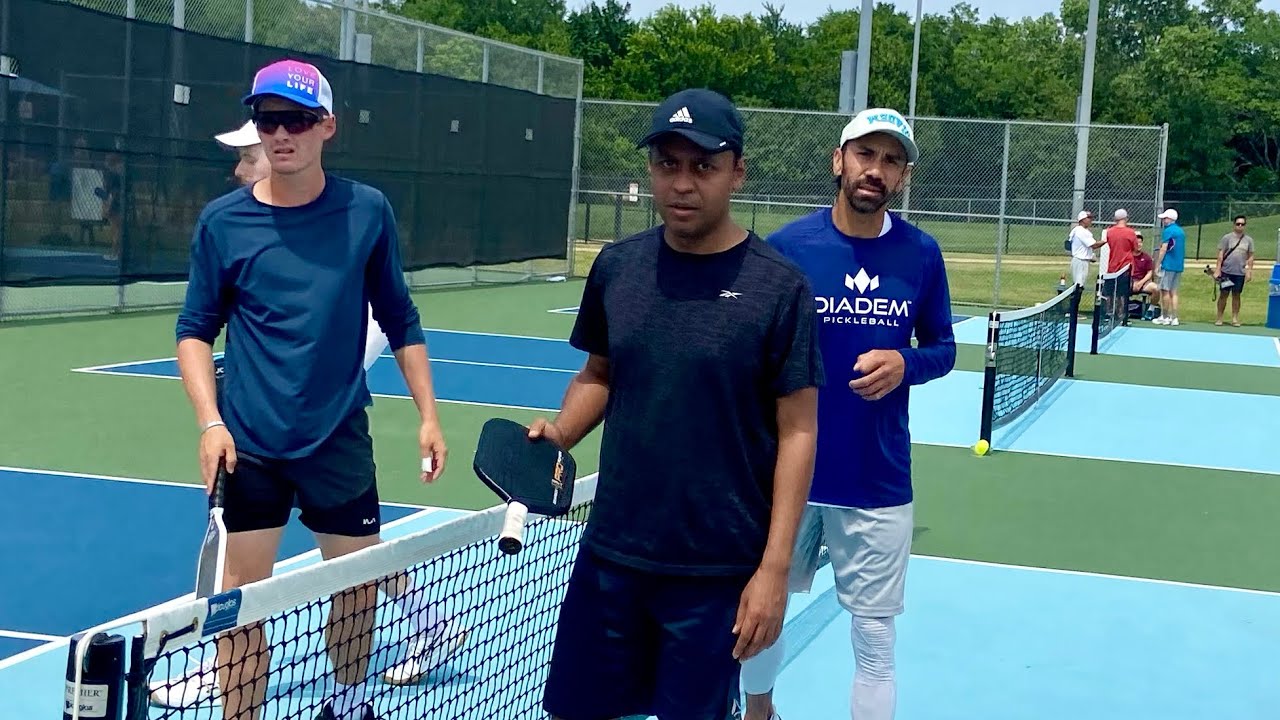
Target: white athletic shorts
1080, 272
869, 550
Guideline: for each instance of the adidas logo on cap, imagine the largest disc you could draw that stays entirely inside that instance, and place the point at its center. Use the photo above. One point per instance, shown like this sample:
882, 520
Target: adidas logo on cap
681, 116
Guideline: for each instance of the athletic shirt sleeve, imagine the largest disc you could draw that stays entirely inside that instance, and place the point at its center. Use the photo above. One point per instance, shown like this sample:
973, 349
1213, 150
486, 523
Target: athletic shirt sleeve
204, 310
591, 330
935, 353
392, 306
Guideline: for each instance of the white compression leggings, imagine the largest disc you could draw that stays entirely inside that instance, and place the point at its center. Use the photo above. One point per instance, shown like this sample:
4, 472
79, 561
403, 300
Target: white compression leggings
875, 690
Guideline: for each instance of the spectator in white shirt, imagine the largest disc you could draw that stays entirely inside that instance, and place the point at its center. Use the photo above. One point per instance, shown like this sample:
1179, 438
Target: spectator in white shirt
1082, 246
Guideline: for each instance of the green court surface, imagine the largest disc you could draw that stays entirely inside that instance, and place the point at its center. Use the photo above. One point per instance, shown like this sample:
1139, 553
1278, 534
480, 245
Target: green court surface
1128, 518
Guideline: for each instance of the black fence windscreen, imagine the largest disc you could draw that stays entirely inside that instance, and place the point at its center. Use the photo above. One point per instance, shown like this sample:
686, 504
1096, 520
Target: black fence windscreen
102, 173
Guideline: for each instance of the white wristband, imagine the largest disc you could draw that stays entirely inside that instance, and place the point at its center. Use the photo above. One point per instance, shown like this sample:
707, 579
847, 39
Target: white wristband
211, 424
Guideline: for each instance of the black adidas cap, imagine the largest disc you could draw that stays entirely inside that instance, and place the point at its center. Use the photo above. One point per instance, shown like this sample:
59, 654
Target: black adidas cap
706, 117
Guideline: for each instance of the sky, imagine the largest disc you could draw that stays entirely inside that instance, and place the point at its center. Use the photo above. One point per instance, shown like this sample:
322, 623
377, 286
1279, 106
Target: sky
806, 11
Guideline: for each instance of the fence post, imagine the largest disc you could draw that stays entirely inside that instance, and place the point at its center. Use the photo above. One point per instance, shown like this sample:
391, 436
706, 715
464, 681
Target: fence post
1160, 172
248, 21
1000, 226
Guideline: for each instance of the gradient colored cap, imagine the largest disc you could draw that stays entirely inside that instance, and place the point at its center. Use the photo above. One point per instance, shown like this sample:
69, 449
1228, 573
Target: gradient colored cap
294, 80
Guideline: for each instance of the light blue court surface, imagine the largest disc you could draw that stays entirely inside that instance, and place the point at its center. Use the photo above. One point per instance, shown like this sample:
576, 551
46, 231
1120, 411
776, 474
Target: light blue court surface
84, 550
1005, 643
947, 412
1142, 339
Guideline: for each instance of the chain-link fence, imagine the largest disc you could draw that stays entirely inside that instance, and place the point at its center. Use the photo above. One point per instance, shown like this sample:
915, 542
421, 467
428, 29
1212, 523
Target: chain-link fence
1208, 217
346, 30
998, 195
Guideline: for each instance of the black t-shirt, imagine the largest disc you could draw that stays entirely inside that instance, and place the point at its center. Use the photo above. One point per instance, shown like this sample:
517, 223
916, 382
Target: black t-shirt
699, 348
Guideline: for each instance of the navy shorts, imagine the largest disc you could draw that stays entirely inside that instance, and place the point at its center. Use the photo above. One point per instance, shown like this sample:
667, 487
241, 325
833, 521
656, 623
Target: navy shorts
334, 486
631, 642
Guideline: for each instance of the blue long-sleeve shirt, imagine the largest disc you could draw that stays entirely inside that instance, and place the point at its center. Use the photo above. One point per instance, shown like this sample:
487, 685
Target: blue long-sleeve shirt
871, 293
292, 286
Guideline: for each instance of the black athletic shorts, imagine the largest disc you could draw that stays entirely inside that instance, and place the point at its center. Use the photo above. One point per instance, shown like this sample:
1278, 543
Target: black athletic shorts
334, 486
1238, 284
630, 642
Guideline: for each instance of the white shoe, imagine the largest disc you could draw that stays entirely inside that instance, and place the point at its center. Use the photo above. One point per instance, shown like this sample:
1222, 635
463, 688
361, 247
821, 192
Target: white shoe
427, 651
1174, 322
194, 687
1162, 320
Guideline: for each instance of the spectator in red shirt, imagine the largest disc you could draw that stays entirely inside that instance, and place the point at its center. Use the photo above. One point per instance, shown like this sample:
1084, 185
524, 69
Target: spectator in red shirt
1121, 243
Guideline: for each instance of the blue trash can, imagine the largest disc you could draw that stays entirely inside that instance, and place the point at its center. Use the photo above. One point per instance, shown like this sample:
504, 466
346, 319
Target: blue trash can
1273, 298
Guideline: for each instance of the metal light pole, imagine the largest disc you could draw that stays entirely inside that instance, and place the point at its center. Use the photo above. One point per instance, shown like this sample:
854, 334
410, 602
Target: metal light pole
1085, 114
915, 64
864, 56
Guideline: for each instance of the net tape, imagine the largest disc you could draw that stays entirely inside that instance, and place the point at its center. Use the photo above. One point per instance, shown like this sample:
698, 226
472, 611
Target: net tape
1031, 352
469, 635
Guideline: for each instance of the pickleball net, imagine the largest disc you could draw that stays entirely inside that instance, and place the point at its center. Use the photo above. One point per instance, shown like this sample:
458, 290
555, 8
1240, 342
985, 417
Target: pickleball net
454, 628
1110, 306
1028, 350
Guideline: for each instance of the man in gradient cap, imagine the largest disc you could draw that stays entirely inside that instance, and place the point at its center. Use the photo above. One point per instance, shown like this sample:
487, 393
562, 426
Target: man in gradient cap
702, 368
879, 282
289, 264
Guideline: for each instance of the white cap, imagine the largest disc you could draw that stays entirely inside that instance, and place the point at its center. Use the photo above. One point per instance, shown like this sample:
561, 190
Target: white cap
1122, 214
1169, 214
882, 120
1083, 214
245, 136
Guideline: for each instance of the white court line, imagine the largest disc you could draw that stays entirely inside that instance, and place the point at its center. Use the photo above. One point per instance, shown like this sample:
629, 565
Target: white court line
1108, 576
565, 311
19, 635
1276, 340
145, 612
1132, 461
494, 365
163, 483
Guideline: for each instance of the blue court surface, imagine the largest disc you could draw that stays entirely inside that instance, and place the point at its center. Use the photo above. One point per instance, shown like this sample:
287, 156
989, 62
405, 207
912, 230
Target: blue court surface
978, 640
1142, 339
85, 550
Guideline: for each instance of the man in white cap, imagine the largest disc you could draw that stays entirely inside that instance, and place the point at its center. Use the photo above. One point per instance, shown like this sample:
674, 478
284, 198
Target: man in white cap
878, 281
1082, 246
1171, 261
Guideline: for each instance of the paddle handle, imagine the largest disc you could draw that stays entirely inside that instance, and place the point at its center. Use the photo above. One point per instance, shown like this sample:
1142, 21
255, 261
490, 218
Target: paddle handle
219, 485
511, 541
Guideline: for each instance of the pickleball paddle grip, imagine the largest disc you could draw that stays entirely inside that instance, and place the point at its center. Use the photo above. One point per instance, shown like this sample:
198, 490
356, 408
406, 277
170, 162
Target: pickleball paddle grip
512, 538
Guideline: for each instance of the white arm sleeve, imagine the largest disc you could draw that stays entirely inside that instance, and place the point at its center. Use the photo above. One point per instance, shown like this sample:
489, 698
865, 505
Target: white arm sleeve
374, 342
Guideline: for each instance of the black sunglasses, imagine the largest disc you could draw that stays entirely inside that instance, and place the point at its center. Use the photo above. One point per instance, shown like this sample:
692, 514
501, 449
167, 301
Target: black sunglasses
294, 122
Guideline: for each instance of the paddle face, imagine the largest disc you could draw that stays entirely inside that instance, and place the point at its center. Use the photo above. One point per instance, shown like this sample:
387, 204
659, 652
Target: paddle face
213, 552
534, 473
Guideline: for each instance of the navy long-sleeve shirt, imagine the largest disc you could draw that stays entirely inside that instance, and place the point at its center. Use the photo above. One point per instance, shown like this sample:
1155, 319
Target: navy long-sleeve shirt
292, 286
871, 293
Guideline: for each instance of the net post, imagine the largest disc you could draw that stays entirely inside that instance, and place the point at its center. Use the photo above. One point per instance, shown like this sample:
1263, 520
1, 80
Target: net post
989, 377
1072, 328
136, 691
1097, 313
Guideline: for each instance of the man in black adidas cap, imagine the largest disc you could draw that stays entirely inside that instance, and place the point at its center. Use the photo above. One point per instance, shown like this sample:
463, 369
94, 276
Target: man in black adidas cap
703, 368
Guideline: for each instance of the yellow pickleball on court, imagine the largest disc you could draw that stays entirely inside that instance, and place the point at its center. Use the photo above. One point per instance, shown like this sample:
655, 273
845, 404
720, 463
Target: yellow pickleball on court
981, 447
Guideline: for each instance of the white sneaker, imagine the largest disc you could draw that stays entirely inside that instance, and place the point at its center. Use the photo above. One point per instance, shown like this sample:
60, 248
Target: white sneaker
1162, 320
1173, 322
196, 686
427, 651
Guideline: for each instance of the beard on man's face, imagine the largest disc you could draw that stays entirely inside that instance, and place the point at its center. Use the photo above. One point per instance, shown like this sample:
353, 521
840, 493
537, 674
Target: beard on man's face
864, 196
